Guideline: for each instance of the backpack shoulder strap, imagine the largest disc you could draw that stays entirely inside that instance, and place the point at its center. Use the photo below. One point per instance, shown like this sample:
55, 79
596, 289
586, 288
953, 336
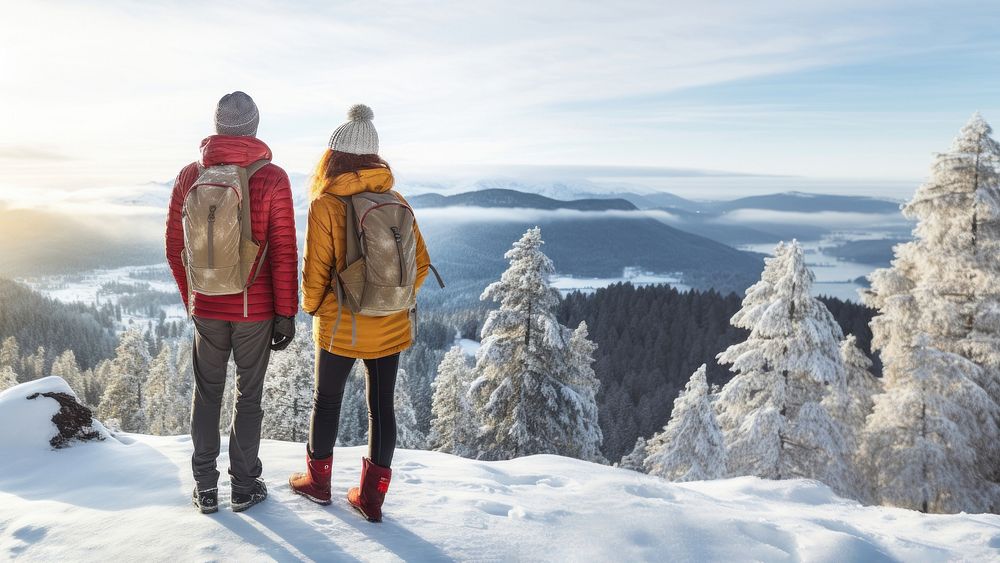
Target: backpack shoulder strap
253, 167
246, 228
352, 243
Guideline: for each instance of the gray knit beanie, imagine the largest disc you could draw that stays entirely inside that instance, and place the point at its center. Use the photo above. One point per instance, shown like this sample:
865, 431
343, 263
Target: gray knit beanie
358, 135
237, 115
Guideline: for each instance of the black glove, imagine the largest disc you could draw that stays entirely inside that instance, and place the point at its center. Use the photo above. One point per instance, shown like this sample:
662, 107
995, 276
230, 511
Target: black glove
282, 333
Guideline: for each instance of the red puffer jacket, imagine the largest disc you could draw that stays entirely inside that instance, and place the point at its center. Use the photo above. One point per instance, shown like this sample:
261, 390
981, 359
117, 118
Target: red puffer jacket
272, 220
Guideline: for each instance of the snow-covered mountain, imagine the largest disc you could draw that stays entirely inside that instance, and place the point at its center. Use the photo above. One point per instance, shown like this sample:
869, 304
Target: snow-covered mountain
127, 498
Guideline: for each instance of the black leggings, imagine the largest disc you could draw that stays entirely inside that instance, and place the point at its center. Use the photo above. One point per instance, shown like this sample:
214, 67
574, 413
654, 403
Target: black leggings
332, 372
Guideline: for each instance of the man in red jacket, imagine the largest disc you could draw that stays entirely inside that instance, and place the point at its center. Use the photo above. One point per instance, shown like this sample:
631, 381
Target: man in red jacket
247, 326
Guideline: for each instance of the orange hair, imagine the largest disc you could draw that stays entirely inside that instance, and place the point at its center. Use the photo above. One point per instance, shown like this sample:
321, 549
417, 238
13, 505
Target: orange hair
334, 163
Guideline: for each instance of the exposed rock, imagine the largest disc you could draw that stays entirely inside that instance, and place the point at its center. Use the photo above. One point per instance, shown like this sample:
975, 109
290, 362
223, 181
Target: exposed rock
74, 421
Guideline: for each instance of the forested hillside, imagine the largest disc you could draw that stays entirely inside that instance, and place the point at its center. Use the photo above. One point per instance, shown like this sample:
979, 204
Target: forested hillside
650, 340
37, 321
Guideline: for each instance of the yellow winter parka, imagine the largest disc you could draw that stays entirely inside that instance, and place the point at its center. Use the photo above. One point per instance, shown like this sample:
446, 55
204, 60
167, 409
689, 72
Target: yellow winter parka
325, 244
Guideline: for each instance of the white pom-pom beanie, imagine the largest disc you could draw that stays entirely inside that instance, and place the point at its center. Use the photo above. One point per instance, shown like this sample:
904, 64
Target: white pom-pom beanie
358, 135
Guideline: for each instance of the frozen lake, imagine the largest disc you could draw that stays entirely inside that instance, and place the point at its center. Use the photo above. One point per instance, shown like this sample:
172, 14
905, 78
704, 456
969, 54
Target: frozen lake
567, 284
834, 277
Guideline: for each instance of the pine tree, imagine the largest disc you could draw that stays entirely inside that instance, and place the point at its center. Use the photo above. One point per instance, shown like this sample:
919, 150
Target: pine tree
8, 378
65, 366
691, 446
861, 388
408, 434
168, 405
771, 415
919, 434
941, 292
586, 437
288, 392
635, 459
421, 362
521, 392
10, 354
124, 399
453, 426
353, 428
33, 367
99, 382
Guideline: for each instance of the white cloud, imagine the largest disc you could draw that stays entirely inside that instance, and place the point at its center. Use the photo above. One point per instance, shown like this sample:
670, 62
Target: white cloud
819, 219
469, 214
128, 88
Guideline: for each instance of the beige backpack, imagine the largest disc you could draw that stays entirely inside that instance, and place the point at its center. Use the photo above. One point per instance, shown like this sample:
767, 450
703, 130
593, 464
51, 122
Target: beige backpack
219, 248
381, 256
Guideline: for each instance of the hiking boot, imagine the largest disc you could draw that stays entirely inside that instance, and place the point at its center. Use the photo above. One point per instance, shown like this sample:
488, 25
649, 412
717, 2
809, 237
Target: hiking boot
368, 498
256, 495
206, 501
314, 484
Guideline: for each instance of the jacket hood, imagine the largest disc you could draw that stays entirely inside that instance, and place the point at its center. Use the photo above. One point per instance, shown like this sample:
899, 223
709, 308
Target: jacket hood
368, 180
226, 149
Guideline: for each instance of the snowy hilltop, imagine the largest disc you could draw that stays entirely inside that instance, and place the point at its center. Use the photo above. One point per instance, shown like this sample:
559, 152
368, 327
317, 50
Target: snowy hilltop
125, 497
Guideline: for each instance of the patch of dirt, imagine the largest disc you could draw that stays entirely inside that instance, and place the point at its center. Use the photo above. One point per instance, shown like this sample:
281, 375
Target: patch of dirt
74, 421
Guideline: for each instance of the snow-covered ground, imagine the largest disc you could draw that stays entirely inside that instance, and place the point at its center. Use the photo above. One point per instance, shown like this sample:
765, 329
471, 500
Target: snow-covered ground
87, 287
127, 499
469, 347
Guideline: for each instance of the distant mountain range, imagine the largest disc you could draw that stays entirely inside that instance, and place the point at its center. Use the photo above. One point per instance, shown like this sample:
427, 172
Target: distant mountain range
748, 220
495, 197
589, 244
653, 231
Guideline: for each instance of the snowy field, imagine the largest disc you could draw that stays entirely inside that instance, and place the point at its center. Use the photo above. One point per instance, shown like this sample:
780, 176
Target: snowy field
86, 287
128, 500
567, 283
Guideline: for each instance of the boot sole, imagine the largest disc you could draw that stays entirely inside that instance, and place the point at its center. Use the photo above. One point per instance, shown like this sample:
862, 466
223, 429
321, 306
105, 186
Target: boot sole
318, 501
362, 513
247, 505
205, 510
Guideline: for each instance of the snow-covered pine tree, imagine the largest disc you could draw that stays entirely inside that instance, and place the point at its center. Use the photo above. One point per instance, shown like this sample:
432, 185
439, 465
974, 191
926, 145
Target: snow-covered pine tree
521, 392
124, 398
453, 424
586, 433
169, 405
288, 392
408, 434
8, 378
10, 354
691, 446
33, 366
101, 378
770, 413
159, 399
861, 388
942, 286
353, 428
65, 366
635, 459
921, 433
420, 362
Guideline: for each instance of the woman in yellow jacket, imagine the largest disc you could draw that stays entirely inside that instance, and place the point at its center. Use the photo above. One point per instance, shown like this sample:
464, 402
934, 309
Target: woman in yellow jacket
350, 166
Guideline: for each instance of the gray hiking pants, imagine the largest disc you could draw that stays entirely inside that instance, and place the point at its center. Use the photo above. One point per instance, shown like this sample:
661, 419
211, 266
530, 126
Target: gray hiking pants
249, 344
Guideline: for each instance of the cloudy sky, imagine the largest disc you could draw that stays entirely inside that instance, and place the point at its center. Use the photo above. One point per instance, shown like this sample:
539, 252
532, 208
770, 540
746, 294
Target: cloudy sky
113, 93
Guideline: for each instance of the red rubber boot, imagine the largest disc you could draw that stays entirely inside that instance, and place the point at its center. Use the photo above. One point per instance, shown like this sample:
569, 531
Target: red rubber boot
368, 498
314, 484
